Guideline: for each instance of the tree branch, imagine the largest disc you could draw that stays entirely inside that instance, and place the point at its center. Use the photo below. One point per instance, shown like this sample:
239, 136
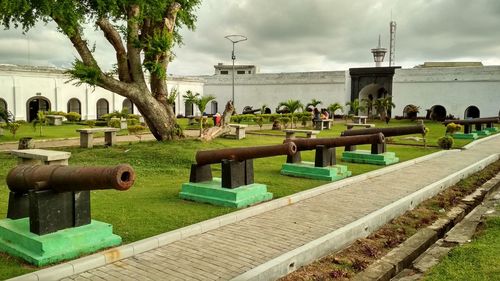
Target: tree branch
133, 41
115, 40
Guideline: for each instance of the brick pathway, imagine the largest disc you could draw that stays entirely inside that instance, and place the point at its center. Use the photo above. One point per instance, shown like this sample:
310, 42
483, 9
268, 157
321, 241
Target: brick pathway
231, 250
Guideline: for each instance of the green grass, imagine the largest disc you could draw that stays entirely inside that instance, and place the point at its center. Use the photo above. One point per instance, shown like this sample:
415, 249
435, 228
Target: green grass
48, 132
479, 260
152, 206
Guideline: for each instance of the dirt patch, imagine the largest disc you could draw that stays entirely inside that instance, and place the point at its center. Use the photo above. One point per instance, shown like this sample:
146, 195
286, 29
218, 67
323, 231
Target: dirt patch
354, 259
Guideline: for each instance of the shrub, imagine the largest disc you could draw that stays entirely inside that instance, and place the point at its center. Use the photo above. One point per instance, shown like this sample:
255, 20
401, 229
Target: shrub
73, 116
134, 116
136, 130
285, 121
114, 123
13, 127
132, 122
452, 128
445, 142
305, 119
56, 113
259, 121
90, 123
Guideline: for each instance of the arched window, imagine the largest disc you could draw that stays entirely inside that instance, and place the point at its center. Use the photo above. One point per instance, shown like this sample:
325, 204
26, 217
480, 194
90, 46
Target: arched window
471, 112
34, 105
127, 104
74, 105
3, 106
438, 113
102, 107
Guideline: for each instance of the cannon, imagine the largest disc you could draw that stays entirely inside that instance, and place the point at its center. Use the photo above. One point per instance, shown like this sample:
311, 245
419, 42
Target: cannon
249, 110
325, 147
56, 197
388, 132
479, 123
237, 164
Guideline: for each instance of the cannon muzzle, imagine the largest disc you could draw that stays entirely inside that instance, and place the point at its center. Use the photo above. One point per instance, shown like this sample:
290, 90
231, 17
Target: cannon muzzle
244, 153
67, 178
388, 132
473, 121
309, 144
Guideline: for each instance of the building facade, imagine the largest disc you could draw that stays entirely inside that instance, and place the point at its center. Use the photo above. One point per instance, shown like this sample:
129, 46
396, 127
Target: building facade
462, 91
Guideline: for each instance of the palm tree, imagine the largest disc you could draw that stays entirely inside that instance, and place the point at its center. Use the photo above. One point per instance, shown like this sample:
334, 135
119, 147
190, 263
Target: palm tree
355, 106
368, 104
313, 103
292, 106
201, 103
383, 105
334, 107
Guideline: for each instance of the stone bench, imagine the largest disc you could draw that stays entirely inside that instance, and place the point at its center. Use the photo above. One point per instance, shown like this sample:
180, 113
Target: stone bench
41, 156
359, 119
55, 120
323, 124
240, 130
352, 125
310, 134
87, 136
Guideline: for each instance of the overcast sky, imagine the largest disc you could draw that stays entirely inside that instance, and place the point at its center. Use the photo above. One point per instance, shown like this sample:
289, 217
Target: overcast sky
301, 35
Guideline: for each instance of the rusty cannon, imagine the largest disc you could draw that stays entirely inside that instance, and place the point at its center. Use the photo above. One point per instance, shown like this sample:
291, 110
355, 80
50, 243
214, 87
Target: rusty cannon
56, 197
479, 123
325, 147
237, 164
388, 132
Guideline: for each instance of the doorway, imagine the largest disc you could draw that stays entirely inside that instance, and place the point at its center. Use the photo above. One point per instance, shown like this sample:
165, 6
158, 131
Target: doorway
34, 105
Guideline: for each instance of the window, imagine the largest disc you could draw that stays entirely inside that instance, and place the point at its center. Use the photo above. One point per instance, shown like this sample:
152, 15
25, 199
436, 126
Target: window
224, 72
127, 104
240, 72
102, 107
3, 105
74, 105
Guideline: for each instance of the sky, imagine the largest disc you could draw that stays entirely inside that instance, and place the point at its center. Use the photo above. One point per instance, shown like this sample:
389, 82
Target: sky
298, 35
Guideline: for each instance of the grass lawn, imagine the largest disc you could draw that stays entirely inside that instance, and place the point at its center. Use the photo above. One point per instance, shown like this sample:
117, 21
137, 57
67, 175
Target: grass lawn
152, 205
479, 260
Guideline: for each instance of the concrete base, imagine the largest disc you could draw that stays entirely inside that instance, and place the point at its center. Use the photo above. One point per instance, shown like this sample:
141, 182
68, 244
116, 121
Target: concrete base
211, 192
482, 133
365, 157
17, 240
307, 170
462, 136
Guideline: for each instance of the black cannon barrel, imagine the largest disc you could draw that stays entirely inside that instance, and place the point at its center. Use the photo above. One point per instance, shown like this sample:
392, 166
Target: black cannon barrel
388, 132
68, 178
472, 121
244, 153
309, 144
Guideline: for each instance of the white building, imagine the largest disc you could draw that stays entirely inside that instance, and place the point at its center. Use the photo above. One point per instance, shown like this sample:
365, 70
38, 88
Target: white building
462, 91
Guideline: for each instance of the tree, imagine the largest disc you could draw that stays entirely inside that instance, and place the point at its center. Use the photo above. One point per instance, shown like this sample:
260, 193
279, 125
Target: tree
383, 105
292, 106
313, 103
142, 34
355, 106
200, 102
334, 107
368, 105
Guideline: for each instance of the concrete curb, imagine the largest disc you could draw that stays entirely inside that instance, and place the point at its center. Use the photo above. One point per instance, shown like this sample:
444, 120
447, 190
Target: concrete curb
411, 250
472, 144
342, 237
128, 250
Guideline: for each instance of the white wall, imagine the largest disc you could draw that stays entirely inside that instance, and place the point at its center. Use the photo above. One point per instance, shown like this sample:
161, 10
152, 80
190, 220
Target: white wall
453, 88
271, 89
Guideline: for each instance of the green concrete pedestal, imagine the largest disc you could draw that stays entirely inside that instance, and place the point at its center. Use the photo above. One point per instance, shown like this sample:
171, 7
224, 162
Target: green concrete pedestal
17, 240
492, 130
211, 192
482, 133
307, 170
462, 136
365, 157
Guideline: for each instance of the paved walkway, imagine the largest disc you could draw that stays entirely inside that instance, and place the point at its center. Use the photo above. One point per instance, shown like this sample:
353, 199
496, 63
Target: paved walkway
231, 250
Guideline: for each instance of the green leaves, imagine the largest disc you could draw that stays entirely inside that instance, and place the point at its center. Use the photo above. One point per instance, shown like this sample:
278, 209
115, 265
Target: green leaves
84, 74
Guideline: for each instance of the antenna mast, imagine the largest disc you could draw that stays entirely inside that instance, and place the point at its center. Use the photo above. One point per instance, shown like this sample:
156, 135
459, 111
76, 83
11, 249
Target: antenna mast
392, 44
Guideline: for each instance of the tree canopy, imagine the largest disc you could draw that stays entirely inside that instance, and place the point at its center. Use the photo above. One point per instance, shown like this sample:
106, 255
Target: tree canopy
141, 32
